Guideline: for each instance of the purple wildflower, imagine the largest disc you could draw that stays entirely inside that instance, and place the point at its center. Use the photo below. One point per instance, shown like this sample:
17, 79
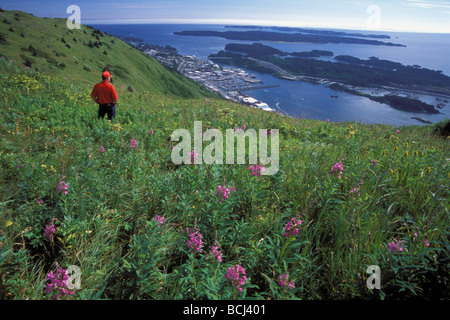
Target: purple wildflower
292, 227
159, 219
395, 245
62, 186
194, 243
133, 144
50, 230
215, 253
337, 167
283, 280
58, 282
224, 191
237, 276
355, 191
256, 170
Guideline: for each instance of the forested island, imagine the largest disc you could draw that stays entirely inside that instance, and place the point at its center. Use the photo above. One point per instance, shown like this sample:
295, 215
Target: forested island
397, 102
315, 31
258, 50
285, 37
354, 71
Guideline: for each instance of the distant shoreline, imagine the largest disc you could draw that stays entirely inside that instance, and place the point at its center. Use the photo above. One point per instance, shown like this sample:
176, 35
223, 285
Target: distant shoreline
287, 37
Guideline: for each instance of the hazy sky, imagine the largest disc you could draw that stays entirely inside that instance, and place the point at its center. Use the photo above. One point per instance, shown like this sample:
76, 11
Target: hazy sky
379, 15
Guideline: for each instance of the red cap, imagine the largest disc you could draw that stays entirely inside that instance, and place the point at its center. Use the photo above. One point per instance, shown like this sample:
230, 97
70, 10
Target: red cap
106, 74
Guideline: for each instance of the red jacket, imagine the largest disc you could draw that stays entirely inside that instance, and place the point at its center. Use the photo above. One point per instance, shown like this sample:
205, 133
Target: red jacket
104, 93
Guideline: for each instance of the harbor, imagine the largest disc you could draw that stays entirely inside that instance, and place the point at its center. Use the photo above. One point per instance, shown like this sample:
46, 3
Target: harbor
229, 82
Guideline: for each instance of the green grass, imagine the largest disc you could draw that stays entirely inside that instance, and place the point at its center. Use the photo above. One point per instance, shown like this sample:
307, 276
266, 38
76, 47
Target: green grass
105, 223
50, 47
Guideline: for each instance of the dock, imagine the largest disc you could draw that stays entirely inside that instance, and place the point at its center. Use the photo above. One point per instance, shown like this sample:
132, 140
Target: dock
259, 87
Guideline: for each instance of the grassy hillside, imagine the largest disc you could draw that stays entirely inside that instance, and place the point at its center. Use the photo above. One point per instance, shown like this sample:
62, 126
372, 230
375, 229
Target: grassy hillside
106, 197
49, 46
388, 207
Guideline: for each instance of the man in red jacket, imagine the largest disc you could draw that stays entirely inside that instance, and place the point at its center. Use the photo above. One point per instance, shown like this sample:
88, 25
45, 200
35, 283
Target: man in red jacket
104, 94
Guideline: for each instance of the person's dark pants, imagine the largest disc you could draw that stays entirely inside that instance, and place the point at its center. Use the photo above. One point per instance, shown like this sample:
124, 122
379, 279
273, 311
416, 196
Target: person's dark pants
109, 109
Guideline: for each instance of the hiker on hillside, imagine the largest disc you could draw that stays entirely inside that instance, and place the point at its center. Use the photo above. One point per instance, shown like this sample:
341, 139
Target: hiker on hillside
104, 94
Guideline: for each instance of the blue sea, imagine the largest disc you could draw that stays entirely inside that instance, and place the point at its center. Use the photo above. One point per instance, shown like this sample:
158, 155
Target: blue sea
307, 100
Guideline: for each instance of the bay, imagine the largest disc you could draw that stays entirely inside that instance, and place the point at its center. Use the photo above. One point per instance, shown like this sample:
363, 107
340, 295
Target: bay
307, 100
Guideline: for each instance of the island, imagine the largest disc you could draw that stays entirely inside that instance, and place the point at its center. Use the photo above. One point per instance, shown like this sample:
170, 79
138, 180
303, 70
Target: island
285, 37
314, 31
344, 72
256, 50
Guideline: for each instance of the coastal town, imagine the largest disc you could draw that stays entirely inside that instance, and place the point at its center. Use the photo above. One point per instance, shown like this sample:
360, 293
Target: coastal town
230, 82
233, 82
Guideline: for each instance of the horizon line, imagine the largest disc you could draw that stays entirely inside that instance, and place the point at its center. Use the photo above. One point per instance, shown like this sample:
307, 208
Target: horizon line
249, 23
242, 22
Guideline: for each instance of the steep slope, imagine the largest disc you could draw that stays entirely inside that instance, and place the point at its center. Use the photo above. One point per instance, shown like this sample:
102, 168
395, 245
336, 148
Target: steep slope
49, 46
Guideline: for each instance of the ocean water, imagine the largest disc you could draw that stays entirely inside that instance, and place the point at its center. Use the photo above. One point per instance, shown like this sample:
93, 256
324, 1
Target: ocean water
306, 100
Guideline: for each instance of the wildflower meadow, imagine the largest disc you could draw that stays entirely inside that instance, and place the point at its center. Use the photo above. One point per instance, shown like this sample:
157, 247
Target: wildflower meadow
106, 197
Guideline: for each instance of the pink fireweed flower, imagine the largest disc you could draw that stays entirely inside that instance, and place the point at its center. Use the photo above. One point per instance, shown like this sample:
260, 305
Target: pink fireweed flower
215, 253
337, 167
159, 219
151, 132
62, 186
194, 243
224, 192
292, 227
395, 245
425, 241
102, 150
133, 144
58, 282
355, 191
50, 230
375, 163
283, 280
256, 170
237, 276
